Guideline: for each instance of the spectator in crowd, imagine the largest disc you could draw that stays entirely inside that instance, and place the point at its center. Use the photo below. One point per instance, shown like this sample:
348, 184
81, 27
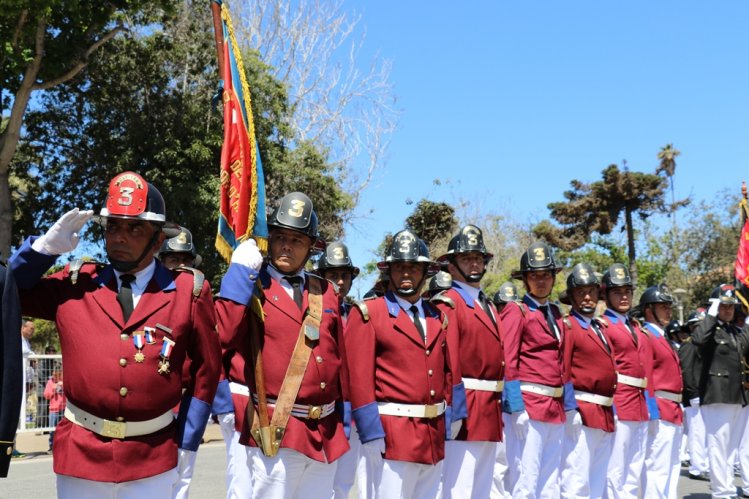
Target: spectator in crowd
53, 392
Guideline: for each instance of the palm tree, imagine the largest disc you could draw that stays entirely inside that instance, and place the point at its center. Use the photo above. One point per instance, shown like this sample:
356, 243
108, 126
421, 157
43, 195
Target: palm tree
667, 156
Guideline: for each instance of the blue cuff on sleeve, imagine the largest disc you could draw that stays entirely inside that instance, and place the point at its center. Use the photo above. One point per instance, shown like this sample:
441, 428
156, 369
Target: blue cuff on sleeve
222, 402
191, 421
344, 411
652, 407
448, 420
33, 264
368, 422
570, 404
238, 283
460, 407
512, 399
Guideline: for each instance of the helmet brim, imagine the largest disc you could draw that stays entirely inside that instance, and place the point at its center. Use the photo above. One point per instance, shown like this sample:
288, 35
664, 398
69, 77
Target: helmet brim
170, 229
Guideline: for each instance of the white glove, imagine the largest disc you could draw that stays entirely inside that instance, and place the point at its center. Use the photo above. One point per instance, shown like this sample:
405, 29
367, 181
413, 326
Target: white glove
695, 402
714, 304
455, 427
520, 422
62, 237
186, 462
574, 425
226, 421
653, 426
248, 254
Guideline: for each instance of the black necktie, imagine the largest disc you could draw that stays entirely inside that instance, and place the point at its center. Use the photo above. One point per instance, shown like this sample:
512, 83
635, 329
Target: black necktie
631, 331
125, 295
296, 285
546, 310
600, 335
417, 322
485, 305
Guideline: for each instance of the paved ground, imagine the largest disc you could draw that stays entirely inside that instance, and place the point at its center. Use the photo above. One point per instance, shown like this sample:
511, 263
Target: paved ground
32, 477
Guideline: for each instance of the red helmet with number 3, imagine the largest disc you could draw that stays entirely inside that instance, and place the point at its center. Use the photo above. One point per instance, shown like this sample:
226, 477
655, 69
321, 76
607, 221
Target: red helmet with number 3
130, 196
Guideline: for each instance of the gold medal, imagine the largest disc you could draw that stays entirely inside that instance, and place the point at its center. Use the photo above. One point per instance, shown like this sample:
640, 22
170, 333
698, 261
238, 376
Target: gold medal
139, 357
164, 367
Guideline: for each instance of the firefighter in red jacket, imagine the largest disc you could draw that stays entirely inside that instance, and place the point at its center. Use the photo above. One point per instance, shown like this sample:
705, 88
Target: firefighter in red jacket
632, 402
476, 346
125, 330
662, 463
535, 396
402, 391
589, 364
286, 325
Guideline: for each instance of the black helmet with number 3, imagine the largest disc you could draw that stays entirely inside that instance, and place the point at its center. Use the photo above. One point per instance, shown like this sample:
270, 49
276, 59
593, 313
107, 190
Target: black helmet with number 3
616, 276
656, 294
538, 256
295, 212
406, 247
181, 243
336, 256
507, 293
582, 275
468, 240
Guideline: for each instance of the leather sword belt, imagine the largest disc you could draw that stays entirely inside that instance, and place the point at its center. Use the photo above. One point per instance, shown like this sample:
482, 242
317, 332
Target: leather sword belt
239, 389
539, 389
594, 398
303, 410
673, 397
632, 381
429, 411
484, 385
116, 429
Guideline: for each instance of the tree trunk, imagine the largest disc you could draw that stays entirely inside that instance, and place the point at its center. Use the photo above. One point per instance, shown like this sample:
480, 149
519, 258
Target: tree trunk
631, 244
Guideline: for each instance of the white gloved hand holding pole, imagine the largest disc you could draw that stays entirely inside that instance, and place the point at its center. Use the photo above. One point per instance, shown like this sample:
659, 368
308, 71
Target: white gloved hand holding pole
248, 254
713, 310
62, 237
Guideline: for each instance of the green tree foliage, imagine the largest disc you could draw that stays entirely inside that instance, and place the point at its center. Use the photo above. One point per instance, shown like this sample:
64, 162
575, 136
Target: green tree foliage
434, 222
145, 105
47, 43
598, 206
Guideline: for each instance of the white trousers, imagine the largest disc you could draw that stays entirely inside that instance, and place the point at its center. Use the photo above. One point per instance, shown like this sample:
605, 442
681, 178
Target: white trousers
404, 480
185, 470
347, 467
627, 460
499, 485
743, 450
662, 463
238, 483
160, 485
696, 441
468, 471
723, 433
585, 462
535, 461
290, 474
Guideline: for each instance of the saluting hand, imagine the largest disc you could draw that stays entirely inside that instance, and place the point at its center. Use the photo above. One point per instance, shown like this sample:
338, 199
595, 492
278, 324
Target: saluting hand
62, 237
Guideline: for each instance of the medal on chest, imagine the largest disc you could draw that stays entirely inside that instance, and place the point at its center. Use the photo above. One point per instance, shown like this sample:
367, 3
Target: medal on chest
166, 351
149, 332
139, 340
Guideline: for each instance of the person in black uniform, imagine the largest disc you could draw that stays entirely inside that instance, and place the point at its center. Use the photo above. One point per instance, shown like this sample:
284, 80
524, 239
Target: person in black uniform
11, 376
691, 367
722, 347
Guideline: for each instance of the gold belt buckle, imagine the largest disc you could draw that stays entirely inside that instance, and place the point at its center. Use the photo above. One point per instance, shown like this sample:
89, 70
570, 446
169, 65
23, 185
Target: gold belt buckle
314, 412
430, 411
113, 429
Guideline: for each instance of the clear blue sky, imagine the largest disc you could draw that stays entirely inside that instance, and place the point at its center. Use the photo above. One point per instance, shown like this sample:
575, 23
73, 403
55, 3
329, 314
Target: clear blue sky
509, 101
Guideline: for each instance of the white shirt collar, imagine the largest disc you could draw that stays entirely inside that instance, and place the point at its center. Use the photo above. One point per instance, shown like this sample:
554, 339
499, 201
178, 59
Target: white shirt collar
406, 305
142, 277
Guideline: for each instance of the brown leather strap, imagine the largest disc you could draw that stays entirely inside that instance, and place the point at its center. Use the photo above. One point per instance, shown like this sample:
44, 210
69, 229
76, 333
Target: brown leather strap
270, 435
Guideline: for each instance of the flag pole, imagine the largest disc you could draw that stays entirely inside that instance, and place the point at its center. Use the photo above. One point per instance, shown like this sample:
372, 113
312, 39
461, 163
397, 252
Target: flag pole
218, 32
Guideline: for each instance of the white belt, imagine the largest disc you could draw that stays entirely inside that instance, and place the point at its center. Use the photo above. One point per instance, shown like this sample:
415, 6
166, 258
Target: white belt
239, 389
539, 389
430, 411
304, 410
116, 429
594, 398
631, 381
673, 397
484, 385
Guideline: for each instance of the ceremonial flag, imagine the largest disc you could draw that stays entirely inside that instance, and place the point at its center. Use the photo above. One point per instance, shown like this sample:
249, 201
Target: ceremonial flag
242, 196
742, 256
